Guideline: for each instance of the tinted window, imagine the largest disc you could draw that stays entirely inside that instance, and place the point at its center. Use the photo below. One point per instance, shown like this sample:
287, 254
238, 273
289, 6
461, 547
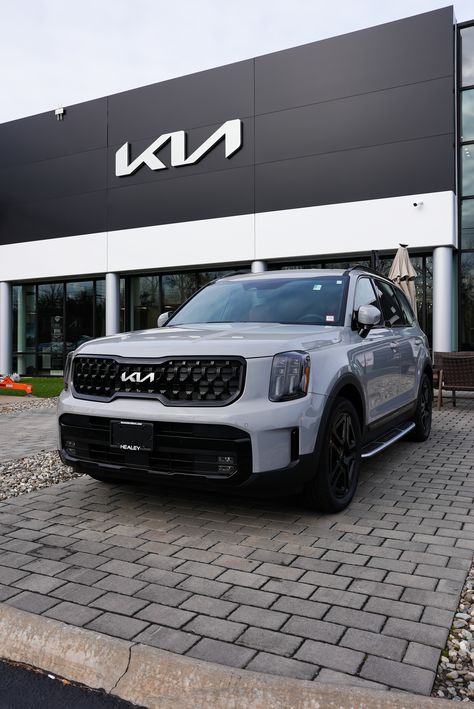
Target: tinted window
296, 301
405, 306
365, 294
392, 312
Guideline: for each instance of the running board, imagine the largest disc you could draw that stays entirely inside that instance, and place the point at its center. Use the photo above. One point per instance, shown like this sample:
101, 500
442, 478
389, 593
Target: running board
385, 441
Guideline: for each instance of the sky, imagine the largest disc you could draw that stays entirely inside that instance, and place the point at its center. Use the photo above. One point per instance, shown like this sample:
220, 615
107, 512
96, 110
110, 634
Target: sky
60, 52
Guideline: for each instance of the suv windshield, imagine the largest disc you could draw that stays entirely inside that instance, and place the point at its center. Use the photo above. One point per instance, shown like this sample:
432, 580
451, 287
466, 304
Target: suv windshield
317, 300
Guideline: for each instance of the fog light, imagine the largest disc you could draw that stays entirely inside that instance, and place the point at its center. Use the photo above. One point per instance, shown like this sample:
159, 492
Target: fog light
226, 464
226, 459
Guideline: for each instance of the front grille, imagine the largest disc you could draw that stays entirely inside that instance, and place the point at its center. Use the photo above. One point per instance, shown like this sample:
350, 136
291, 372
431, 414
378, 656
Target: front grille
213, 381
207, 450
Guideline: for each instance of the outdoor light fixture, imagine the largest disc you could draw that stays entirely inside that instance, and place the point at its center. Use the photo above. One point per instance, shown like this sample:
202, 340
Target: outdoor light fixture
59, 113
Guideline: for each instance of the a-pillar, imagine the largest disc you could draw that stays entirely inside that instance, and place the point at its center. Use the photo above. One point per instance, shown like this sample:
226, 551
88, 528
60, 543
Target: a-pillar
112, 303
443, 298
6, 328
258, 266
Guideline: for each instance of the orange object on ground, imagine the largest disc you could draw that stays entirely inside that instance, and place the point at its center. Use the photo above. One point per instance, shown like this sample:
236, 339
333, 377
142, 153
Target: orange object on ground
8, 383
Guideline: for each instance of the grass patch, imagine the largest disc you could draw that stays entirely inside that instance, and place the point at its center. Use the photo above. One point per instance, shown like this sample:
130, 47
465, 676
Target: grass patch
43, 387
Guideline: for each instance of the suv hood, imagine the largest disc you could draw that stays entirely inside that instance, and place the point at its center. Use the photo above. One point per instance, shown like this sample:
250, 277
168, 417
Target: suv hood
206, 340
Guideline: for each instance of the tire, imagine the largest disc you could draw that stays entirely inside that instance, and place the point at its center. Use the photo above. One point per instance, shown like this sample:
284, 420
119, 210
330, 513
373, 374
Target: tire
337, 474
424, 411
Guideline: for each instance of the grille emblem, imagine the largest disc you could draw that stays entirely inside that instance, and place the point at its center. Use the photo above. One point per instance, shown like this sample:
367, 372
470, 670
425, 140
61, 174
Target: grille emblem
137, 377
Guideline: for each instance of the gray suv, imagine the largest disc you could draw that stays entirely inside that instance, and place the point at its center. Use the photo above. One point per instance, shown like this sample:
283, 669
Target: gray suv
285, 378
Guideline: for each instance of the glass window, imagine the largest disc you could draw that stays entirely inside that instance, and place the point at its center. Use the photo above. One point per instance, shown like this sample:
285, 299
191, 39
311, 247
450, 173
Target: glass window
365, 294
467, 45
79, 313
178, 287
347, 264
405, 306
467, 224
99, 308
145, 301
296, 266
391, 309
123, 305
50, 327
467, 115
205, 277
308, 301
467, 161
467, 302
24, 328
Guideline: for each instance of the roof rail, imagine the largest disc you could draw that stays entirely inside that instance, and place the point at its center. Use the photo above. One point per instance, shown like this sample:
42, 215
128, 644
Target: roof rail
362, 267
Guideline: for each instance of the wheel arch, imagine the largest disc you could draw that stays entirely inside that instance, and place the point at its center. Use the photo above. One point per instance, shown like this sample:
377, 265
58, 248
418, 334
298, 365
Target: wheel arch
349, 388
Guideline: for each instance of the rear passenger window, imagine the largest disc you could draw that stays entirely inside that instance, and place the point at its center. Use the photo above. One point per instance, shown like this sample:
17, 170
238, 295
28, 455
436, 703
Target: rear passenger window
391, 309
405, 306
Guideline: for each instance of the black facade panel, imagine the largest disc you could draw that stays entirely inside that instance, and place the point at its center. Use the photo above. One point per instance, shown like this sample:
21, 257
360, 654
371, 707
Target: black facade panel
403, 52
214, 160
204, 196
43, 137
357, 117
404, 113
79, 214
83, 172
200, 99
348, 176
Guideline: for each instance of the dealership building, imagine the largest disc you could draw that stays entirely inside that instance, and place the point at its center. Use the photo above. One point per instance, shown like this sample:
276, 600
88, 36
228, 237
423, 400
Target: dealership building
324, 155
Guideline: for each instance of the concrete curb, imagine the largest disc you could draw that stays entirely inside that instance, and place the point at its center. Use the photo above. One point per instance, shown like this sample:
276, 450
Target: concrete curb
162, 680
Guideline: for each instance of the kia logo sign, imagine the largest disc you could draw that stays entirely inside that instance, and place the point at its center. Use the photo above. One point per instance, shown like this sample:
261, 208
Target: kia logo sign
137, 377
230, 131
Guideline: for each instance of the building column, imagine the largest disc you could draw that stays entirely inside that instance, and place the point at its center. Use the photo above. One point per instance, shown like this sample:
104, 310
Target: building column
443, 294
6, 328
258, 266
112, 303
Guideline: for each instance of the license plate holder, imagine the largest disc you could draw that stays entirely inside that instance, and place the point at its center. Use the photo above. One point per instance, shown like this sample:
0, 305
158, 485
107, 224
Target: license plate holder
131, 436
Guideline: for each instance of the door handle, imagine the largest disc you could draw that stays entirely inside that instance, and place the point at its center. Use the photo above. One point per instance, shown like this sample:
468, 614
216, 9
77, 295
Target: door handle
394, 346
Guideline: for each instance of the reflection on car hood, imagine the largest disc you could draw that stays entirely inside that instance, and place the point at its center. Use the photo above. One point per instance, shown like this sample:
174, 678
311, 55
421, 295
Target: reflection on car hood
212, 339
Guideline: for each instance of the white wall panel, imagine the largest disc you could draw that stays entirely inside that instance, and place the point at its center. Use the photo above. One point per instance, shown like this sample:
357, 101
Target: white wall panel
54, 258
358, 226
223, 240
294, 233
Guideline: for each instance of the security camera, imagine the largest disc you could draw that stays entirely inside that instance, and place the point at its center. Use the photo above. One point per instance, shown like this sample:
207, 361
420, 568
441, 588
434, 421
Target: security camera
417, 204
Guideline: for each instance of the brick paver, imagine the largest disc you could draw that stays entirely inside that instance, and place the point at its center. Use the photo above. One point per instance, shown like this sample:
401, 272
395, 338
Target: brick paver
364, 598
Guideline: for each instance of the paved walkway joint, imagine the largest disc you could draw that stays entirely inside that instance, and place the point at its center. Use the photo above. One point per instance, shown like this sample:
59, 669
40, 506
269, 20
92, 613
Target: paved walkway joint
365, 598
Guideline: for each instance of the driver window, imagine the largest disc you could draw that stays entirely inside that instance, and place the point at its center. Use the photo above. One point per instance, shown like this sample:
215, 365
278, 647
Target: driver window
364, 295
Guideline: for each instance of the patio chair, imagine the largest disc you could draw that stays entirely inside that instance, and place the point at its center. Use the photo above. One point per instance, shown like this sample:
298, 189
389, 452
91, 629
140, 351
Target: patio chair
456, 374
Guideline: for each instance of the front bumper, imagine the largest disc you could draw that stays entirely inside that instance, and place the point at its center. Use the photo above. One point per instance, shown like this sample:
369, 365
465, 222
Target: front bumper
290, 478
268, 426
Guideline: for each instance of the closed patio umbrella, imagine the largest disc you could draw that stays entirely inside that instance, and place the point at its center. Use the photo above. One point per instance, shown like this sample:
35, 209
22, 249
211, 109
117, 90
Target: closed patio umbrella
403, 274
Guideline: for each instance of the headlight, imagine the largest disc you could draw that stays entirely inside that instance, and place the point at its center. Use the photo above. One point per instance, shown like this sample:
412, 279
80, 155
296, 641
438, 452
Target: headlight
290, 376
68, 370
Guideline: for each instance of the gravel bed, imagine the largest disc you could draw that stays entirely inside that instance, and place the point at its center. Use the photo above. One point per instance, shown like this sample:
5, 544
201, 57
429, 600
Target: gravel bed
32, 473
455, 677
24, 403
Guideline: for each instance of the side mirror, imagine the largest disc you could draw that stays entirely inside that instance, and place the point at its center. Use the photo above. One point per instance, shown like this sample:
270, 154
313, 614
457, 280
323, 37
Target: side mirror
367, 317
163, 318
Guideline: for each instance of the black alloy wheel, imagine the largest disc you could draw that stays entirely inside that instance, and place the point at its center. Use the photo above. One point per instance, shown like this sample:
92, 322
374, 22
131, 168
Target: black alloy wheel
424, 411
343, 452
337, 473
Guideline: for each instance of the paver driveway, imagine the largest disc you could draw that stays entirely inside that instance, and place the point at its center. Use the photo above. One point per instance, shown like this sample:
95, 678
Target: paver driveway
366, 596
25, 433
